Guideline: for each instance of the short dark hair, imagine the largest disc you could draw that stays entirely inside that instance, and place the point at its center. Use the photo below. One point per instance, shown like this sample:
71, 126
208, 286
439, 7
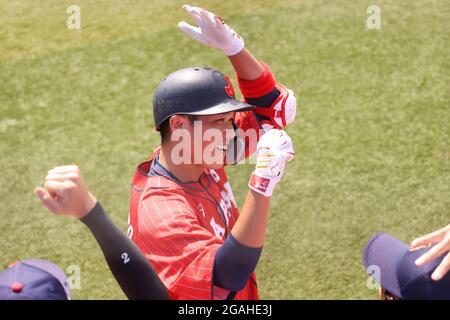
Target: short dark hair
164, 128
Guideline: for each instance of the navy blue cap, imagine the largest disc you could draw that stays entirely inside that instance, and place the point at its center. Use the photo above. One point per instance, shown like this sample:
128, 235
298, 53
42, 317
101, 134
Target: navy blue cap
398, 272
34, 279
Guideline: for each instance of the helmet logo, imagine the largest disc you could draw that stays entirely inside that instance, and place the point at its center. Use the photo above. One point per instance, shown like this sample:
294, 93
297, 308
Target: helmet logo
229, 88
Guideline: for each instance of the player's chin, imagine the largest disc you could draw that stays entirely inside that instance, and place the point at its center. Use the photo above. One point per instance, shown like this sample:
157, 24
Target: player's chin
216, 162
214, 166
215, 158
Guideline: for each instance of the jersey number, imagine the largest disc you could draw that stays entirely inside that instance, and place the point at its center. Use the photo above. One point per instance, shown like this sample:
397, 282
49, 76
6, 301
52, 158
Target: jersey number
125, 258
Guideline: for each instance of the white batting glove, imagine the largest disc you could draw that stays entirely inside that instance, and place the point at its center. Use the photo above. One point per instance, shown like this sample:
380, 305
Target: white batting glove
273, 150
212, 31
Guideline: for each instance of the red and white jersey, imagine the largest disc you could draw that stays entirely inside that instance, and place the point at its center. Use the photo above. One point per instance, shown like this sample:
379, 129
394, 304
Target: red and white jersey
180, 226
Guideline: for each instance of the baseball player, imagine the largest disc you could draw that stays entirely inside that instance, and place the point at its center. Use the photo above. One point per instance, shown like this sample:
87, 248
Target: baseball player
183, 215
65, 193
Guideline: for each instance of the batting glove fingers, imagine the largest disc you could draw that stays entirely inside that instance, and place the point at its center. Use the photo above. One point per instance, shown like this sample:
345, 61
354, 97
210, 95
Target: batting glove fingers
211, 31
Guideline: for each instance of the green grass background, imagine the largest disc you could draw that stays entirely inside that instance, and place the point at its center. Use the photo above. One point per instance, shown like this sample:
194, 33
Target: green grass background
372, 130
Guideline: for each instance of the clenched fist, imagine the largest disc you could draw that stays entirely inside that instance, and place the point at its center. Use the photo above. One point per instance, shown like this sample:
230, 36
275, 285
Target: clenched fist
65, 193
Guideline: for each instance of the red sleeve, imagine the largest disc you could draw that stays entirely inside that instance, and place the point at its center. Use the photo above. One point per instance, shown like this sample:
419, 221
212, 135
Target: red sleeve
247, 121
258, 87
176, 244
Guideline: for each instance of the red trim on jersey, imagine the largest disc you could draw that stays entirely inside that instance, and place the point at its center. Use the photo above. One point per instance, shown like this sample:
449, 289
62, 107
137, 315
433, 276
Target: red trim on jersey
258, 87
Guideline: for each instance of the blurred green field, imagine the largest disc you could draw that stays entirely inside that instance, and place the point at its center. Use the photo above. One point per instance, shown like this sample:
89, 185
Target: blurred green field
372, 131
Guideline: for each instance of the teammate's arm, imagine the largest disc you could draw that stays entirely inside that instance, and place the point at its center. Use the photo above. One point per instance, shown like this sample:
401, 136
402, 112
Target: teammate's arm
65, 193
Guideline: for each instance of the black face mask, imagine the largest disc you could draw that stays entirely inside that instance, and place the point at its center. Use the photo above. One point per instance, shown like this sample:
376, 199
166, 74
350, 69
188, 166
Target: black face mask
235, 148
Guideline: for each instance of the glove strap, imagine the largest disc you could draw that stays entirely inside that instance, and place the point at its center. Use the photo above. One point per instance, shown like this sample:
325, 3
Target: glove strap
262, 185
237, 46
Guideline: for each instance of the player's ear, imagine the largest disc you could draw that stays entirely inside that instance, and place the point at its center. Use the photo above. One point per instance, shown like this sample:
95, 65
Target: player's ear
177, 122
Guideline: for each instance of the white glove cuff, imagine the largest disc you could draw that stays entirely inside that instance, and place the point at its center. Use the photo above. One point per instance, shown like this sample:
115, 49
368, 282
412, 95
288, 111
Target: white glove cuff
263, 185
235, 48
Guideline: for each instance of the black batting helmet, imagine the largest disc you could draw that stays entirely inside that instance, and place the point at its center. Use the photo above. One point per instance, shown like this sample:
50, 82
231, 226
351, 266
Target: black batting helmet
194, 91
